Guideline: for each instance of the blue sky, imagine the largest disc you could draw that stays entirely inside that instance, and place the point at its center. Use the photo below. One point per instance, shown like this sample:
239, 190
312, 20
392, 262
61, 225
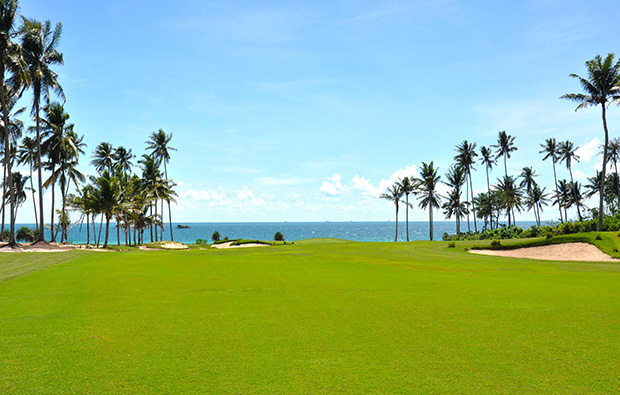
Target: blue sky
306, 111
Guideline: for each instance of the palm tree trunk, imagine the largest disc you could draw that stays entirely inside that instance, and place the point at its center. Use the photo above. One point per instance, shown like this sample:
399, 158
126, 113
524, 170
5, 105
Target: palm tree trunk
406, 216
37, 97
430, 220
53, 234
151, 227
170, 212
7, 161
396, 236
100, 227
570, 170
107, 231
555, 177
473, 206
505, 165
458, 226
87, 230
118, 233
3, 201
467, 197
34, 201
602, 191
161, 210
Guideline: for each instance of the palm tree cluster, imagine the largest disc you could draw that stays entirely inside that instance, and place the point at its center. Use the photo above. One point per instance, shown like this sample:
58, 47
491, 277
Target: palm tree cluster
131, 200
29, 51
510, 195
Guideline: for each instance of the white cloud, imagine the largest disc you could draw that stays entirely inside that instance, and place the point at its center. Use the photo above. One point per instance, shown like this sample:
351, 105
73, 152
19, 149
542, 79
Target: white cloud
333, 188
588, 150
203, 194
245, 194
271, 181
368, 189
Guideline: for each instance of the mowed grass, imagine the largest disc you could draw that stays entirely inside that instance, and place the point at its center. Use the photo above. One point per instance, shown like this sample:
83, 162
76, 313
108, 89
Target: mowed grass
309, 318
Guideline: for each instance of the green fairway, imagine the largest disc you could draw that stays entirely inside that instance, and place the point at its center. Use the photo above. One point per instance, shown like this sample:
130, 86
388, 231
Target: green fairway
318, 316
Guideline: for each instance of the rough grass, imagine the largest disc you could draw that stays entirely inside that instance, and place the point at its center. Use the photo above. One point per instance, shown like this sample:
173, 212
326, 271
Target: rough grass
306, 318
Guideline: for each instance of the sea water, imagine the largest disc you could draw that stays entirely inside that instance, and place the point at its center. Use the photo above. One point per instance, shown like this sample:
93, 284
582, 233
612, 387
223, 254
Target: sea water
356, 231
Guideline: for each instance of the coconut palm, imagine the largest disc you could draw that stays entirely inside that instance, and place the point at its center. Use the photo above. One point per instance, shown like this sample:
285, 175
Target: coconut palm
528, 175
511, 196
466, 158
407, 187
567, 153
550, 149
10, 61
601, 87
505, 145
535, 199
103, 158
488, 160
122, 159
456, 177
27, 154
485, 212
613, 156
394, 194
576, 198
39, 43
159, 144
106, 200
427, 191
563, 196
19, 192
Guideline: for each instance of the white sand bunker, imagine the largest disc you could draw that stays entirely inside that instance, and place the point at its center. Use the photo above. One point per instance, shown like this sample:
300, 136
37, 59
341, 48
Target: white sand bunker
246, 245
554, 252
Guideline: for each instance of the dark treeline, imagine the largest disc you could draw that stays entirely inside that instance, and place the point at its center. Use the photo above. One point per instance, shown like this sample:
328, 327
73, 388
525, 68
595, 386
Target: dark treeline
511, 195
29, 51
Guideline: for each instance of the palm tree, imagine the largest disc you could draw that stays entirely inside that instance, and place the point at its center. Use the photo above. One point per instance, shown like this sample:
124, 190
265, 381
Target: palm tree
576, 197
536, 198
601, 88
19, 194
568, 153
103, 158
57, 144
106, 200
13, 132
393, 194
528, 175
427, 191
613, 156
159, 144
550, 149
511, 196
466, 158
122, 159
563, 196
456, 177
407, 187
11, 61
484, 202
27, 153
488, 160
505, 145
39, 48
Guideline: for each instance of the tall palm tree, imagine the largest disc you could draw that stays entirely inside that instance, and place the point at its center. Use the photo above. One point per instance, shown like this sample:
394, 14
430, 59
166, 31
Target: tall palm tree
427, 191
613, 156
535, 199
576, 198
466, 158
27, 154
407, 187
122, 159
563, 196
13, 132
550, 149
39, 43
568, 153
103, 158
159, 143
456, 177
601, 87
11, 61
511, 196
106, 198
394, 194
488, 160
505, 145
19, 192
528, 182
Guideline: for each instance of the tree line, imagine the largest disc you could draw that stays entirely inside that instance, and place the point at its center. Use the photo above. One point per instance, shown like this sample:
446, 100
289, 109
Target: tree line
510, 195
29, 52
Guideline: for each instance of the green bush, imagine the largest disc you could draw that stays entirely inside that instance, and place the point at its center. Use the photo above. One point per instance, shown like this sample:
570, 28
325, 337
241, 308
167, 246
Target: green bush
496, 244
25, 234
278, 236
215, 236
451, 244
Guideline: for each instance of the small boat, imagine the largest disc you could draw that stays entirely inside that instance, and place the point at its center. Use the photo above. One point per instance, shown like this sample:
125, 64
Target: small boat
179, 226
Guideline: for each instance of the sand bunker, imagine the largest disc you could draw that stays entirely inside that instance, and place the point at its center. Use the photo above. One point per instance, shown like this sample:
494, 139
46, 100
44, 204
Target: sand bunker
229, 245
46, 247
554, 252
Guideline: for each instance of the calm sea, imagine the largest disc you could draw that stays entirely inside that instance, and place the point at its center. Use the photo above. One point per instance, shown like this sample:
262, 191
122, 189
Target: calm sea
357, 231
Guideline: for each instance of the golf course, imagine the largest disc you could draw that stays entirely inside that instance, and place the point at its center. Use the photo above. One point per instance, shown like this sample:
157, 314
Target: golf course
317, 316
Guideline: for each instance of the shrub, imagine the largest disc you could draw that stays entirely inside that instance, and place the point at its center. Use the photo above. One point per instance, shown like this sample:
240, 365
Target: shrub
495, 243
25, 234
215, 236
598, 237
549, 236
226, 238
451, 244
278, 236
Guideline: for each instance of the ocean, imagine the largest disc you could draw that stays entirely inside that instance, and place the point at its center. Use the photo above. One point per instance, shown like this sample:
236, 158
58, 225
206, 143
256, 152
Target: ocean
357, 231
